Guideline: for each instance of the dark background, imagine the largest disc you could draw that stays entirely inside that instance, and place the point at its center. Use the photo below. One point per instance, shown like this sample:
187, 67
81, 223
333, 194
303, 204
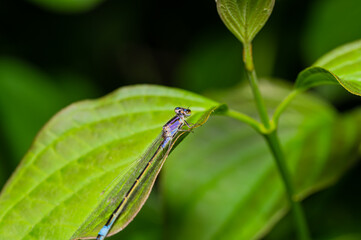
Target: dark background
52, 56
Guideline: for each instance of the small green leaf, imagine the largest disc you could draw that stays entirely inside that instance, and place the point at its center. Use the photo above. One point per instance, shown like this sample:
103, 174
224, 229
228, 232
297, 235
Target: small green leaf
67, 6
55, 193
342, 65
229, 184
245, 18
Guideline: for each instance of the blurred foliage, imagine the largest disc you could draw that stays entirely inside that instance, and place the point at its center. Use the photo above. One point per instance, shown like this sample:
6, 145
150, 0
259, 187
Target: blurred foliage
70, 6
2, 171
49, 59
211, 58
230, 186
34, 98
331, 23
333, 213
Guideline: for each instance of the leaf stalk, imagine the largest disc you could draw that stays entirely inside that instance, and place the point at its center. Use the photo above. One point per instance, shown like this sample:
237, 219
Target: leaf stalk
297, 210
283, 105
246, 119
252, 78
273, 142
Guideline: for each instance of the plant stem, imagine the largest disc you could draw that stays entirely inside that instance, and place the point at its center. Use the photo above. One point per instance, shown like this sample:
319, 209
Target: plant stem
273, 142
283, 106
246, 119
252, 78
299, 217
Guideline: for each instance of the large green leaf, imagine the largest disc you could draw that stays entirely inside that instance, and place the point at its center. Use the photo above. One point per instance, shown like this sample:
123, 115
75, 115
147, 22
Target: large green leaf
342, 65
245, 18
56, 190
225, 185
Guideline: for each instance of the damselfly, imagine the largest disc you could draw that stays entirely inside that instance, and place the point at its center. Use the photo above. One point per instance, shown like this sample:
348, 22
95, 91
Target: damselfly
169, 132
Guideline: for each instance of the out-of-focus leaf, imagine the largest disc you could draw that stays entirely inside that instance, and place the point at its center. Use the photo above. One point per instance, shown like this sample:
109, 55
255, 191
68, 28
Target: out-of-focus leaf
330, 23
67, 6
78, 153
223, 182
245, 18
338, 204
209, 60
342, 65
28, 98
346, 237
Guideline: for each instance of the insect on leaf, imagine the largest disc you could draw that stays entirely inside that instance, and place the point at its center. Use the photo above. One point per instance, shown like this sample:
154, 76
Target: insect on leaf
79, 153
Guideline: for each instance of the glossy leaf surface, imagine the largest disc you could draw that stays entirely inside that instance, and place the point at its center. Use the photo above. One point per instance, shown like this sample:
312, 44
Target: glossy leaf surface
245, 18
59, 183
342, 65
229, 184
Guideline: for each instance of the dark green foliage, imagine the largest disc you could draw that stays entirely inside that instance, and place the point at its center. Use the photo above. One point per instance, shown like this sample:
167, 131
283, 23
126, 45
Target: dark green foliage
220, 182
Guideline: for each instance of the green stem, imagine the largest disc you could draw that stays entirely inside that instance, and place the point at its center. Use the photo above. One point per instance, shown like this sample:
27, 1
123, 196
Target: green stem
246, 119
299, 217
252, 77
283, 105
272, 139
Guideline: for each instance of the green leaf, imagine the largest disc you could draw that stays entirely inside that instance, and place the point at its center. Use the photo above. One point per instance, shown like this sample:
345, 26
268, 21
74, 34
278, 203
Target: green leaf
67, 6
58, 185
245, 18
230, 187
342, 65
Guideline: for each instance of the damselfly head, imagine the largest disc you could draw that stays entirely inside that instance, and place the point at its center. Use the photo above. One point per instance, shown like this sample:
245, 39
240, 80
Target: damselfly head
182, 111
